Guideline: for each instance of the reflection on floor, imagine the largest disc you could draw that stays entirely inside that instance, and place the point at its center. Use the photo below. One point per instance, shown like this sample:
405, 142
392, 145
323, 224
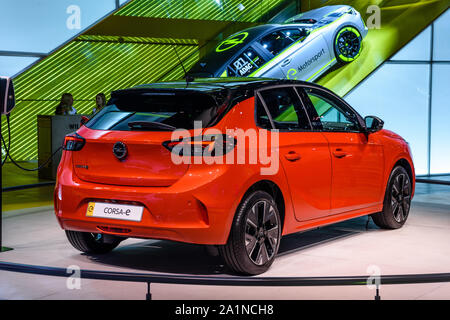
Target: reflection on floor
26, 198
14, 176
441, 177
348, 248
433, 193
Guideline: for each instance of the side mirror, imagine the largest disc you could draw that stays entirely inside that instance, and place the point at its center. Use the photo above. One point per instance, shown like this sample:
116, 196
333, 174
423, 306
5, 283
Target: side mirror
83, 120
7, 99
373, 124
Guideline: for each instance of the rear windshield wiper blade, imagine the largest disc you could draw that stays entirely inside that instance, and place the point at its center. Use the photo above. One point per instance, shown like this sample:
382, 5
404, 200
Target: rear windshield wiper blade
143, 125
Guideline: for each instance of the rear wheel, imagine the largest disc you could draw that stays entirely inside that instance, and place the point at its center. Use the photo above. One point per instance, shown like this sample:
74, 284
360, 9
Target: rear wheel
92, 242
397, 201
347, 44
255, 235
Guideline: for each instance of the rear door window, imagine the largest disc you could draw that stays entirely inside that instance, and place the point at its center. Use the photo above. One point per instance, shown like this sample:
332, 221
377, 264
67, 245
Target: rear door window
279, 40
158, 111
284, 108
245, 63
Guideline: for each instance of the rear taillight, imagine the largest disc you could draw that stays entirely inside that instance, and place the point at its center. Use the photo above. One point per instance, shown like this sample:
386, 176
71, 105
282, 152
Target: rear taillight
206, 145
73, 142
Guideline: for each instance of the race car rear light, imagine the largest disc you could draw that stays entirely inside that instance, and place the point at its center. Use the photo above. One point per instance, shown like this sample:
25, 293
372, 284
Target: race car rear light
206, 145
73, 142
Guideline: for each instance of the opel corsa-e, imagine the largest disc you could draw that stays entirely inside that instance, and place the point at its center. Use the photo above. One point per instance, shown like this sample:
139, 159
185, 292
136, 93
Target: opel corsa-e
118, 177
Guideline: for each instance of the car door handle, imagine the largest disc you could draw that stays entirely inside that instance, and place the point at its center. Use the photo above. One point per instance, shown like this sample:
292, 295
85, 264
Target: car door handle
286, 62
292, 156
338, 153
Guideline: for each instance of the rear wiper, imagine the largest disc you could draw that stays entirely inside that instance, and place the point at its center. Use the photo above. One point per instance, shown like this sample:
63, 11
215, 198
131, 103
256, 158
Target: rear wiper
143, 125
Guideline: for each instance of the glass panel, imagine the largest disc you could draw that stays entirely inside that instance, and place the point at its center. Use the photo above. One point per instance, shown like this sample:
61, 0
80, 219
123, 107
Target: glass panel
41, 26
157, 111
282, 104
262, 120
277, 41
417, 49
330, 115
398, 94
440, 119
441, 41
245, 64
9, 66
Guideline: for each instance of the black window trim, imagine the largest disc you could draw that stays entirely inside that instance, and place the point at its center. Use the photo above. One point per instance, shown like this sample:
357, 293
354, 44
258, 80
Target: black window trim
302, 105
341, 103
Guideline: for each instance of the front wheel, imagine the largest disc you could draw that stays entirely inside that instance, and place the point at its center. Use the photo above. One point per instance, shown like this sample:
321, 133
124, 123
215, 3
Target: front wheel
397, 201
92, 242
347, 44
255, 235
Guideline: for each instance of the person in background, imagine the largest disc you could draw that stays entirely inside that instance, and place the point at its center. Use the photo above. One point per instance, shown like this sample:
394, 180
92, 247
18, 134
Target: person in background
100, 102
65, 106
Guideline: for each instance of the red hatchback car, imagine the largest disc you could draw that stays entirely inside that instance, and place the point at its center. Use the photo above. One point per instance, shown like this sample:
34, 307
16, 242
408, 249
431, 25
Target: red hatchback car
233, 162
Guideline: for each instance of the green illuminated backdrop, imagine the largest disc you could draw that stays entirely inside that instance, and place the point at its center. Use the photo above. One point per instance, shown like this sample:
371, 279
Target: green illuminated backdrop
94, 63
136, 45
221, 10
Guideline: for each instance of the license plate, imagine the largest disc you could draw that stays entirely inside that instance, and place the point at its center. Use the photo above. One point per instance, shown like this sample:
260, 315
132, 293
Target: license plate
114, 211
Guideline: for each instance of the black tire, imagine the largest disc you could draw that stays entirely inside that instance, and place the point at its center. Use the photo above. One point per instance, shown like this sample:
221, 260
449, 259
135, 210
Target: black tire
92, 242
254, 236
397, 201
347, 44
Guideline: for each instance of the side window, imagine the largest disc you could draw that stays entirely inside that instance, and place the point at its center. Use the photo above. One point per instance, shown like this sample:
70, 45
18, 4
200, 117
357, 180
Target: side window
284, 108
332, 116
245, 63
277, 41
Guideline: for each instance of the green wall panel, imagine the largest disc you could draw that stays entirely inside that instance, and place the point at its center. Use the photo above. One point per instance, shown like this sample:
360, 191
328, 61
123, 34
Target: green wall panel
85, 68
223, 10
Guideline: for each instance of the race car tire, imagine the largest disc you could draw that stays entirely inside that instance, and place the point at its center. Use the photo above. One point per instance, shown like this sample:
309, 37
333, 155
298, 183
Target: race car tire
347, 44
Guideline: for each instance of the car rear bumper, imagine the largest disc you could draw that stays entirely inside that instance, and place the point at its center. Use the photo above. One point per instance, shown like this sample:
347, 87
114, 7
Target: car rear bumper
199, 212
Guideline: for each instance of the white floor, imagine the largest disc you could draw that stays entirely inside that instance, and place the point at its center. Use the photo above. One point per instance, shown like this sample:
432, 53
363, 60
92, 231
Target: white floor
421, 246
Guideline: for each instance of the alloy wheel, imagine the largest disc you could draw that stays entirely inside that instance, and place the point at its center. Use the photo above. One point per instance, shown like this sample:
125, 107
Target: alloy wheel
262, 232
401, 197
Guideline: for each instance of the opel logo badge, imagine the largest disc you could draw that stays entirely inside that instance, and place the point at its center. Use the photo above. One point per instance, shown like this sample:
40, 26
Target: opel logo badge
120, 150
231, 42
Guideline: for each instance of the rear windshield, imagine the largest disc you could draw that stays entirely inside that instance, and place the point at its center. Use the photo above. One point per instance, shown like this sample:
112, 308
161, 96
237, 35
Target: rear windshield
159, 111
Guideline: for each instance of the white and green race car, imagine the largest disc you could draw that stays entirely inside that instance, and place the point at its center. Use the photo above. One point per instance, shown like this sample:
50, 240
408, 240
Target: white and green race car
302, 48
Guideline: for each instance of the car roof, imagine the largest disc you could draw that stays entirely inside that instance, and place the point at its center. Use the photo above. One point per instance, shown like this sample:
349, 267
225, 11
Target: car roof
216, 87
212, 84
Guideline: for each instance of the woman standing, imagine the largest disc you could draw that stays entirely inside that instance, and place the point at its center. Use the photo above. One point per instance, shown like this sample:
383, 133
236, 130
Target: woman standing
100, 102
65, 106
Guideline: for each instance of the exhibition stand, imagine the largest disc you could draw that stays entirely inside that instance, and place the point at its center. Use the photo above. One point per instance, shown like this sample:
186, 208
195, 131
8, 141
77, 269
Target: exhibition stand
51, 133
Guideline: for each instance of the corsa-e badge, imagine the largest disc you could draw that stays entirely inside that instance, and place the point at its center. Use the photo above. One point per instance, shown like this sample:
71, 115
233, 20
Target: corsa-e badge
120, 150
